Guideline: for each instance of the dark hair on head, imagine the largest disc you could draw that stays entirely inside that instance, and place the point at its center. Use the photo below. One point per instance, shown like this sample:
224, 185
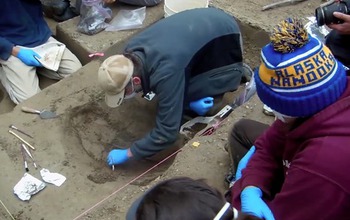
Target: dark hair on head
185, 199
136, 61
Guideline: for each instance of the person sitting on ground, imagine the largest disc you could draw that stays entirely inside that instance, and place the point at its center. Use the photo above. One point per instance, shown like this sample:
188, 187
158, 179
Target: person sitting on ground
338, 40
187, 60
186, 199
296, 168
22, 27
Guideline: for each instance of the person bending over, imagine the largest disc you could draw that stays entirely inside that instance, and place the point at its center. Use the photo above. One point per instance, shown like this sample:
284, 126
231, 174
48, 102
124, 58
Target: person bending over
186, 60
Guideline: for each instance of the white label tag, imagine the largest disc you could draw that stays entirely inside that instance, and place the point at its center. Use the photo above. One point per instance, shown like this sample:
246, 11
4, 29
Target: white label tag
149, 96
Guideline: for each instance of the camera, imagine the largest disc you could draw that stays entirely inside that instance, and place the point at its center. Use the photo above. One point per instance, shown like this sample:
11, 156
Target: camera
324, 13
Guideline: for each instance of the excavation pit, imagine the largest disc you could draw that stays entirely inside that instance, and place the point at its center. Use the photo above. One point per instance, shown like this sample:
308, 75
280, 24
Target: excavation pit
100, 129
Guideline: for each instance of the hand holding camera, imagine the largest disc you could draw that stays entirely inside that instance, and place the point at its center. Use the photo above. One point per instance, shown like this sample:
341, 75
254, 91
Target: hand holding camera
326, 13
343, 28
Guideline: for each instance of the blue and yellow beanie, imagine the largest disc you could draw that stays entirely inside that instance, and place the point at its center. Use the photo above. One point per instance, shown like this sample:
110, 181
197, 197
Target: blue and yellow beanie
298, 75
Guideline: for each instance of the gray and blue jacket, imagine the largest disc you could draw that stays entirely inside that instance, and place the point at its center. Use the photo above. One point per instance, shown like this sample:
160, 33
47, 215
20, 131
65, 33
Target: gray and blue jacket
185, 57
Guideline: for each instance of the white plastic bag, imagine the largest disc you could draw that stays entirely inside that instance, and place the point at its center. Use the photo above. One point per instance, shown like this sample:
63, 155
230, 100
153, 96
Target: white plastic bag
127, 19
53, 178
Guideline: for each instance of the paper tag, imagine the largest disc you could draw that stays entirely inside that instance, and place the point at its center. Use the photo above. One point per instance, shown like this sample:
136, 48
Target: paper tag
149, 96
51, 54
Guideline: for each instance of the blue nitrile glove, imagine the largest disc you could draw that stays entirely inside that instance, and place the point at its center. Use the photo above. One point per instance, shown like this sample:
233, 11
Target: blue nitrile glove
117, 156
243, 162
202, 106
252, 203
27, 56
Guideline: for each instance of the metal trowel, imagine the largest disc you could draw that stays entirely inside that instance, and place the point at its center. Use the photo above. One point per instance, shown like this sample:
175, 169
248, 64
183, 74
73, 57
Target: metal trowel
44, 114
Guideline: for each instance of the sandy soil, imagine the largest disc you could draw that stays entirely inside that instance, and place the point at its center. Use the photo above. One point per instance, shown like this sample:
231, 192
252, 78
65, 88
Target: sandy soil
75, 144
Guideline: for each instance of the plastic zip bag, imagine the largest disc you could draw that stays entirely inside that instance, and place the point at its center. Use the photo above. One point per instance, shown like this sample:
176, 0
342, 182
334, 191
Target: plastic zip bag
127, 19
93, 17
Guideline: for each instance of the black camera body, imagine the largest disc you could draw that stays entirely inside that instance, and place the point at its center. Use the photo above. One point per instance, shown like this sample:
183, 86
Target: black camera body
324, 13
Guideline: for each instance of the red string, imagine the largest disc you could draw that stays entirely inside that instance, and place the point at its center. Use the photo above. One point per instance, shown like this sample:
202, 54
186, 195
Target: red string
212, 129
133, 180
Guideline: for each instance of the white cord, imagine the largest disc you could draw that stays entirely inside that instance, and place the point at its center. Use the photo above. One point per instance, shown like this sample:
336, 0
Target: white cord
222, 211
235, 213
7, 210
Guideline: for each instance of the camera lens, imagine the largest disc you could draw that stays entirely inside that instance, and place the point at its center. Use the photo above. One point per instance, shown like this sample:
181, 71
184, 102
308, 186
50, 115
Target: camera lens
324, 15
319, 16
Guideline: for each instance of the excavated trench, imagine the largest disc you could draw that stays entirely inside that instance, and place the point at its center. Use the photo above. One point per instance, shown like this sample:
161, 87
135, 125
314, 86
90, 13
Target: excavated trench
98, 129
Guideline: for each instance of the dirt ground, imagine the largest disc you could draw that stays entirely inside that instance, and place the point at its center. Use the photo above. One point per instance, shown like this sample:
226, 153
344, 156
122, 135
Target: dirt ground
76, 143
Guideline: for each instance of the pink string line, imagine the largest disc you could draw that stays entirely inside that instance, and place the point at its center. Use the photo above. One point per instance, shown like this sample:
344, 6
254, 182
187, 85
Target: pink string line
133, 180
96, 54
212, 129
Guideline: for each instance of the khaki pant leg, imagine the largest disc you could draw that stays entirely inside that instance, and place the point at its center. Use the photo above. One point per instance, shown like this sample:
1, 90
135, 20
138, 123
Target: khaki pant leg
20, 81
68, 65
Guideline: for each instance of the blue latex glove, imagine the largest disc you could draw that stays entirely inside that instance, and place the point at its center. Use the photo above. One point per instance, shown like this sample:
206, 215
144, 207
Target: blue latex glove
27, 56
243, 162
252, 203
202, 106
117, 156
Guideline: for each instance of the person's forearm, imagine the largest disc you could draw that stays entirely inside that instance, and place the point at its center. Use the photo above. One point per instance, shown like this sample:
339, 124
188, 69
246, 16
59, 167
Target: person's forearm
147, 147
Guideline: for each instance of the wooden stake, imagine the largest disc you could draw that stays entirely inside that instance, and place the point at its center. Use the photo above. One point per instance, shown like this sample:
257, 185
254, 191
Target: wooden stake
281, 3
21, 139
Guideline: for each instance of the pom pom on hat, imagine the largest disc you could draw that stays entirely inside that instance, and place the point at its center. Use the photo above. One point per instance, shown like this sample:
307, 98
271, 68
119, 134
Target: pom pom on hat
289, 35
298, 75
